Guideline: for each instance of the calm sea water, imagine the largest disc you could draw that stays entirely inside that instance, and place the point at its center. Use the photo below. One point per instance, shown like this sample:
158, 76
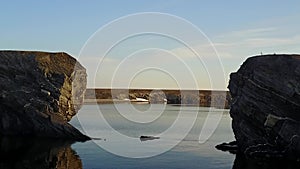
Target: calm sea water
117, 128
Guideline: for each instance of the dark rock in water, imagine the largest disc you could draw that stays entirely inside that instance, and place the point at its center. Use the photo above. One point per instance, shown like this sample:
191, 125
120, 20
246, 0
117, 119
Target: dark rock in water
146, 138
230, 147
266, 106
39, 93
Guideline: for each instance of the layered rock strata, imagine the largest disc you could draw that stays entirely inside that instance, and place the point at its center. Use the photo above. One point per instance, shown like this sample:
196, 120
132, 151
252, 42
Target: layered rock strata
265, 106
39, 94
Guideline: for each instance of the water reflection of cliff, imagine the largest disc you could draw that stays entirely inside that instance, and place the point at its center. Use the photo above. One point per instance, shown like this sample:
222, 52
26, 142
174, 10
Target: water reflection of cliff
241, 162
17, 153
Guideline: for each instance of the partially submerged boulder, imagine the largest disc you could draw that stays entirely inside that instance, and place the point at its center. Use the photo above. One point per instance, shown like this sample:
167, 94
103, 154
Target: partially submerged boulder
231, 147
147, 138
39, 94
266, 106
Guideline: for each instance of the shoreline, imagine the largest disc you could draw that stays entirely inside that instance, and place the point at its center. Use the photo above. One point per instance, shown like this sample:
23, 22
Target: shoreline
202, 98
112, 101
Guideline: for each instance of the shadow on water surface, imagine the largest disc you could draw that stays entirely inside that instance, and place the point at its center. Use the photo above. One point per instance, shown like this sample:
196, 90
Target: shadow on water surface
28, 153
241, 162
25, 153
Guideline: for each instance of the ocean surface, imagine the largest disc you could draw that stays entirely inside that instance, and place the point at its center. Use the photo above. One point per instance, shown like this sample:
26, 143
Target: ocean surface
116, 129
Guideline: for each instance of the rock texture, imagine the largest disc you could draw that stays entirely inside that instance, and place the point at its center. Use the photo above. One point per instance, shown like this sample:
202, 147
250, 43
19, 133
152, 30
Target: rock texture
266, 106
39, 93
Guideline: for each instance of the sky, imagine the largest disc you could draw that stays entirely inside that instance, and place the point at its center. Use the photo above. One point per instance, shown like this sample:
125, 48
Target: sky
194, 44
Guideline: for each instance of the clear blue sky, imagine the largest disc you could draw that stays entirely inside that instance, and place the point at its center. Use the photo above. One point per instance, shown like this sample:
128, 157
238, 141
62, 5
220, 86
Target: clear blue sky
238, 29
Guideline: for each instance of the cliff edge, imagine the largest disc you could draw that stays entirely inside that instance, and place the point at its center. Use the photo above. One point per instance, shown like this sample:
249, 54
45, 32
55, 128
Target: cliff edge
265, 106
39, 93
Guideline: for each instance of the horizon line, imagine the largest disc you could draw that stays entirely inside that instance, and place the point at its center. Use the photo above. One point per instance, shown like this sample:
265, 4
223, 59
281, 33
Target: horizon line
106, 88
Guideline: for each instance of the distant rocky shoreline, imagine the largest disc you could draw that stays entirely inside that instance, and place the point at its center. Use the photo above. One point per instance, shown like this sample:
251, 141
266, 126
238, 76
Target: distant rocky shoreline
203, 98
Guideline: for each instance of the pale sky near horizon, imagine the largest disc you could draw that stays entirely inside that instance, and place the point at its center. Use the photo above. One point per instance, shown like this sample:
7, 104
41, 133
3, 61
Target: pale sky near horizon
237, 30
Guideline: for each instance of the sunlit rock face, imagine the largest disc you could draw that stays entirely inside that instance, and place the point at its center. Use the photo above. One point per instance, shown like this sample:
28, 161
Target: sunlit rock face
39, 93
265, 106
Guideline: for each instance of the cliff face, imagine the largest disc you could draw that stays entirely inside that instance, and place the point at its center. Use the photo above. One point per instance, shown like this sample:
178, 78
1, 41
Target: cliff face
39, 93
266, 106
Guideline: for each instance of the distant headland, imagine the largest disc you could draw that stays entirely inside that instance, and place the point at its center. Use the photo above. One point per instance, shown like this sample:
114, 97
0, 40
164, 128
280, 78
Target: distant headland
203, 98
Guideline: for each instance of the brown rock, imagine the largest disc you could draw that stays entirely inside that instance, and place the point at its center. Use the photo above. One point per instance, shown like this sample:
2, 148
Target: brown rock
39, 93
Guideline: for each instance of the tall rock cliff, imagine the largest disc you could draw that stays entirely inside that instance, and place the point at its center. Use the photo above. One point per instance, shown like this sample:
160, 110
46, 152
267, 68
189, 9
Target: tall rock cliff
39, 93
266, 106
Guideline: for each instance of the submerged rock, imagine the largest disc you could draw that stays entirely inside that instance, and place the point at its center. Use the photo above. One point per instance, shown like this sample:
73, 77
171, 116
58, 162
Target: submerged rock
230, 147
39, 93
147, 138
265, 106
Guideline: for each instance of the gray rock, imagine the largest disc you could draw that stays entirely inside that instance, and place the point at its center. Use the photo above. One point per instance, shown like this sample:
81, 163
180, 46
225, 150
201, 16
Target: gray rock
147, 138
230, 147
157, 97
39, 93
265, 106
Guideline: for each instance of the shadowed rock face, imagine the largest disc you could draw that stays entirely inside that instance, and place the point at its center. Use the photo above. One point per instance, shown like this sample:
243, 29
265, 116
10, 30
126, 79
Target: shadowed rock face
39, 93
266, 106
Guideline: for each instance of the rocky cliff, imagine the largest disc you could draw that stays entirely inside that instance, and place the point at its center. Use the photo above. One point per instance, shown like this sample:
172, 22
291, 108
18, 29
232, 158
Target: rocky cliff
266, 106
39, 93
